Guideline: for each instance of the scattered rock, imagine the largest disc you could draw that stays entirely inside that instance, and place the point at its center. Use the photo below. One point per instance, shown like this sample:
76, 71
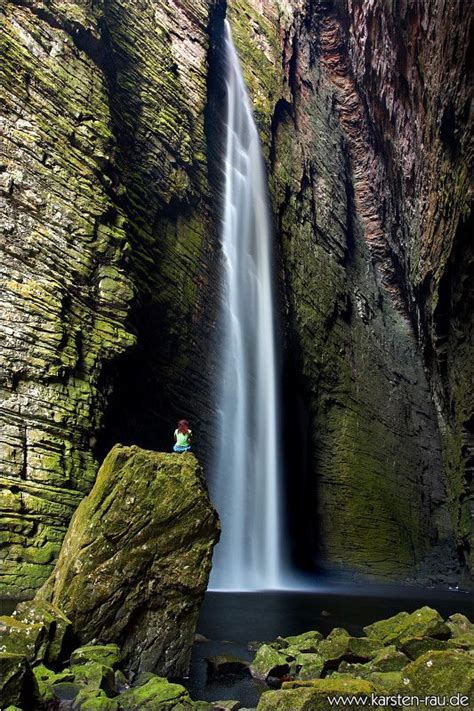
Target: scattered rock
157, 693
269, 662
89, 699
309, 666
339, 645
313, 695
424, 622
306, 642
460, 625
17, 683
389, 659
436, 673
108, 655
59, 638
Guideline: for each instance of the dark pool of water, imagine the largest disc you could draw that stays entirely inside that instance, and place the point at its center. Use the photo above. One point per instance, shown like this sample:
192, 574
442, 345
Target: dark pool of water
231, 620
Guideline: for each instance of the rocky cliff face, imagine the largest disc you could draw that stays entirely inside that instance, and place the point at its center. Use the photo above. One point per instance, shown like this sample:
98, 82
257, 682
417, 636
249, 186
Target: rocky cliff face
103, 177
110, 177
359, 203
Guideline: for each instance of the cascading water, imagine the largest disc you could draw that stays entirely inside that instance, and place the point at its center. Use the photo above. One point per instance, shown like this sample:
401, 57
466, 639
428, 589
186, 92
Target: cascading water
246, 481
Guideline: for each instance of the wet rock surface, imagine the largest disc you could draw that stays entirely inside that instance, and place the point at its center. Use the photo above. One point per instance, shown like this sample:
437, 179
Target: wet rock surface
104, 158
350, 219
362, 666
111, 123
135, 562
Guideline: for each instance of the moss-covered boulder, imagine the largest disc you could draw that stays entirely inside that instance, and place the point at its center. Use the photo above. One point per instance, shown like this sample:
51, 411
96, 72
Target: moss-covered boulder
269, 662
460, 625
313, 695
27, 640
388, 659
94, 700
157, 694
106, 654
309, 665
439, 673
414, 647
424, 622
135, 562
46, 678
96, 676
17, 683
389, 682
58, 627
340, 645
306, 642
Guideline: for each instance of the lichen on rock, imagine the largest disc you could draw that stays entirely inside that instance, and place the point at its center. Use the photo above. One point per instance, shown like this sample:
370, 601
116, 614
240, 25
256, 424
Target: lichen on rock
135, 562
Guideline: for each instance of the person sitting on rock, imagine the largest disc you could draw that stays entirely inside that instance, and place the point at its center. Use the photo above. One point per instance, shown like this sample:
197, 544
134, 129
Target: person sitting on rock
182, 437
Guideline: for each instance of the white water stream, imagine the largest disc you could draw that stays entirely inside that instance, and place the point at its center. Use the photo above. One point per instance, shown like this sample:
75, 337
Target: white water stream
246, 472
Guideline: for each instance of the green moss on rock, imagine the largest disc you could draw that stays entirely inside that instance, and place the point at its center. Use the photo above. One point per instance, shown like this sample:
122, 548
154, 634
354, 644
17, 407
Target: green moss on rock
438, 673
168, 541
424, 622
269, 662
313, 695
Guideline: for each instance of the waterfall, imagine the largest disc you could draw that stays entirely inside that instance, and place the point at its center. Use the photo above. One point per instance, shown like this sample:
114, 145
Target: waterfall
247, 467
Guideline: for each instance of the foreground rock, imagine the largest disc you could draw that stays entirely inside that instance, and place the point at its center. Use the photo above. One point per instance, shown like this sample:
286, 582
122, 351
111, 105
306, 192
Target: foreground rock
401, 655
135, 562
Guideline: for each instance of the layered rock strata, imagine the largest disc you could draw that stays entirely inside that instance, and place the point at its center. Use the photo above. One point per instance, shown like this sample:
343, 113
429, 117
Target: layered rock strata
103, 185
373, 459
136, 559
112, 116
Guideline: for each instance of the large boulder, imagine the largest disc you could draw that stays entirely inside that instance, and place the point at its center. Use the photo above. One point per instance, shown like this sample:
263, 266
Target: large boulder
136, 559
424, 622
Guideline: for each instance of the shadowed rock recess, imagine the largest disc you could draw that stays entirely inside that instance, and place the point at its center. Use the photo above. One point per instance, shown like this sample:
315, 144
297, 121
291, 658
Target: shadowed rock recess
110, 186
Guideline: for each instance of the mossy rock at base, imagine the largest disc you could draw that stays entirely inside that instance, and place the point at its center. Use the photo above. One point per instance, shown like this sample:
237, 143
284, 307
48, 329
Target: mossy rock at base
94, 700
436, 673
27, 640
414, 647
96, 676
269, 662
45, 678
171, 528
109, 655
424, 622
387, 682
338, 646
460, 625
157, 694
309, 666
313, 695
389, 659
58, 626
306, 642
15, 679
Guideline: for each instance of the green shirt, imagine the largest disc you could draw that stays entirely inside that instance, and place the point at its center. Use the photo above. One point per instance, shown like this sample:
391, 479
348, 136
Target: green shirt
183, 439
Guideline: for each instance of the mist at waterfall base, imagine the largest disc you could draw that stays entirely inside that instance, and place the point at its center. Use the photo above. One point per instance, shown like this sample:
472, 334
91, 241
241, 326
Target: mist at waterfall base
246, 482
